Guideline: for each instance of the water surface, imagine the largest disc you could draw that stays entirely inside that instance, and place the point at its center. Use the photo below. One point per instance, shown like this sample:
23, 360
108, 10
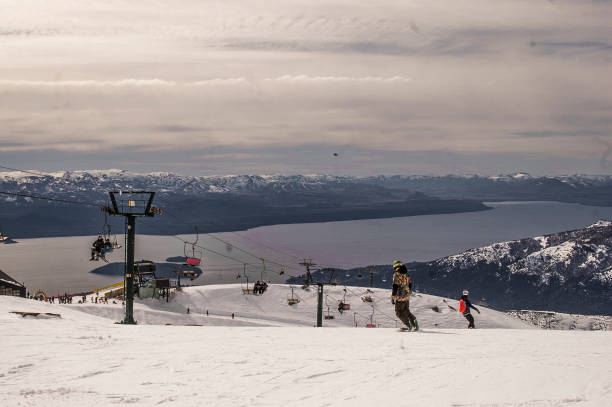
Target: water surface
61, 264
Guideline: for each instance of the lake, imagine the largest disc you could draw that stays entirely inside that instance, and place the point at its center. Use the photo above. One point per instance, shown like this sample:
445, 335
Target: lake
62, 264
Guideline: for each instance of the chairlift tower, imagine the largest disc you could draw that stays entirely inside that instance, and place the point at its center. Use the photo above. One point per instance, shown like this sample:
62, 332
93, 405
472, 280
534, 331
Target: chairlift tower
131, 204
308, 264
371, 270
319, 305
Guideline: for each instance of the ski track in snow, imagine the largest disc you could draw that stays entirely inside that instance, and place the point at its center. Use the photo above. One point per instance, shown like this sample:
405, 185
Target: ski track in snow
85, 359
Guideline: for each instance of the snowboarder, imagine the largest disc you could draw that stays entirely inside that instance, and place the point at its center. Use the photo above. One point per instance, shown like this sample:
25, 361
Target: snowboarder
464, 308
400, 296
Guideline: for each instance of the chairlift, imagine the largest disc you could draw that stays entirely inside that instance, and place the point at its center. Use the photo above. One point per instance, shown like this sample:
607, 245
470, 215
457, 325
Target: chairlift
108, 236
371, 324
193, 253
343, 305
293, 299
328, 314
245, 288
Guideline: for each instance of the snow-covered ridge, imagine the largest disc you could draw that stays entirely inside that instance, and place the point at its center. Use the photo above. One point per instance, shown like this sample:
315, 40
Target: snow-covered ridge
574, 268
103, 180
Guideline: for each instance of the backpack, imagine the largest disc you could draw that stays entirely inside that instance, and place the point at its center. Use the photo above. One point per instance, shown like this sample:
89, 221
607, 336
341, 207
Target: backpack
462, 307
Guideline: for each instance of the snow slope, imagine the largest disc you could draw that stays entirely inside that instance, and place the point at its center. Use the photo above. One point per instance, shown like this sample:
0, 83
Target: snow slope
84, 360
272, 309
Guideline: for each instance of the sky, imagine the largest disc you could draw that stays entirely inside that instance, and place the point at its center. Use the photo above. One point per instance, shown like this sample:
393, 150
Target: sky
201, 87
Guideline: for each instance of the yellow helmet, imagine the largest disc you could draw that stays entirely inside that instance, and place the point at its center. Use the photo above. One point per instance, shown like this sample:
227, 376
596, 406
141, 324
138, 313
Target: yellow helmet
397, 264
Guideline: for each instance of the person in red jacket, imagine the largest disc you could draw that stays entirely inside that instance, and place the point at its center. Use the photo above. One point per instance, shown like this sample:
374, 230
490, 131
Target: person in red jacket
464, 308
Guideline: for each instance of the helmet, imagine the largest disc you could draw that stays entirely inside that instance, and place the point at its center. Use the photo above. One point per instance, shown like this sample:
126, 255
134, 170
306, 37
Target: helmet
466, 292
397, 263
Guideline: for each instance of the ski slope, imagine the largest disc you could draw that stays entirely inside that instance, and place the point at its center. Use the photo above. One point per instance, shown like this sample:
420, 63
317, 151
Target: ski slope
272, 309
269, 355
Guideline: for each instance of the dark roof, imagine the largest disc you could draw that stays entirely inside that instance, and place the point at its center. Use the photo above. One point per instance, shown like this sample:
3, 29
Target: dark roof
8, 279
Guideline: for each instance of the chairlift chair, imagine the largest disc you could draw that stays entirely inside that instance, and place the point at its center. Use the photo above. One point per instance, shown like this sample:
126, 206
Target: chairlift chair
193, 253
371, 324
246, 290
328, 314
343, 305
293, 299
107, 232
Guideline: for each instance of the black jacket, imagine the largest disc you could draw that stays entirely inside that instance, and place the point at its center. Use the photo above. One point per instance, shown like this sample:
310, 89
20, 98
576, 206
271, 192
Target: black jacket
468, 305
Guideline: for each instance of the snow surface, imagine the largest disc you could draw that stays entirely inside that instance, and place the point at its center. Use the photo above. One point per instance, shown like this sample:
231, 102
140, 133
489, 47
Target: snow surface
83, 360
271, 309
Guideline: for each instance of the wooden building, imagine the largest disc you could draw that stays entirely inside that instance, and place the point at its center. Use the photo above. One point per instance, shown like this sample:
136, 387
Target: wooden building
8, 286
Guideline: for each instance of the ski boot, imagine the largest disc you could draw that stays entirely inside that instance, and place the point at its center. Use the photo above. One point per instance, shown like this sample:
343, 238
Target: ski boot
406, 328
415, 325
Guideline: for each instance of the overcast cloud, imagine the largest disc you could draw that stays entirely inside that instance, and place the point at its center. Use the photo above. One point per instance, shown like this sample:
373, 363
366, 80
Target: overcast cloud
217, 87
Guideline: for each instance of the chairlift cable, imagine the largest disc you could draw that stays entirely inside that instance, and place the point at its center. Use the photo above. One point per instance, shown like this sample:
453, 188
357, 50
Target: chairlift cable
40, 173
46, 198
202, 247
267, 246
233, 245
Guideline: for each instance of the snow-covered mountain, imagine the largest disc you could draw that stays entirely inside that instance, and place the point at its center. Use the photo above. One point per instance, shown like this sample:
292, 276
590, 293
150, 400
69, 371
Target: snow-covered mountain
213, 203
569, 271
566, 272
244, 201
101, 181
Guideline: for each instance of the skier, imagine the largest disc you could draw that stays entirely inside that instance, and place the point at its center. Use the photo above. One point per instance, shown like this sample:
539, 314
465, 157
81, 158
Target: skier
464, 308
400, 296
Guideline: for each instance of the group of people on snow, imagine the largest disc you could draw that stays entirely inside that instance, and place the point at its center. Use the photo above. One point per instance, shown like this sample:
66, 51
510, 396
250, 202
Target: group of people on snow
400, 297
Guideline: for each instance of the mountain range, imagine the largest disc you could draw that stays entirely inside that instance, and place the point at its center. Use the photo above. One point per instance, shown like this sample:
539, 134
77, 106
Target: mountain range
567, 272
243, 201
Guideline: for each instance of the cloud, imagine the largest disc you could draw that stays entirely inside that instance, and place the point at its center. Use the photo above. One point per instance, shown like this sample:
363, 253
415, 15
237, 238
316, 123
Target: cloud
339, 79
504, 77
120, 83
